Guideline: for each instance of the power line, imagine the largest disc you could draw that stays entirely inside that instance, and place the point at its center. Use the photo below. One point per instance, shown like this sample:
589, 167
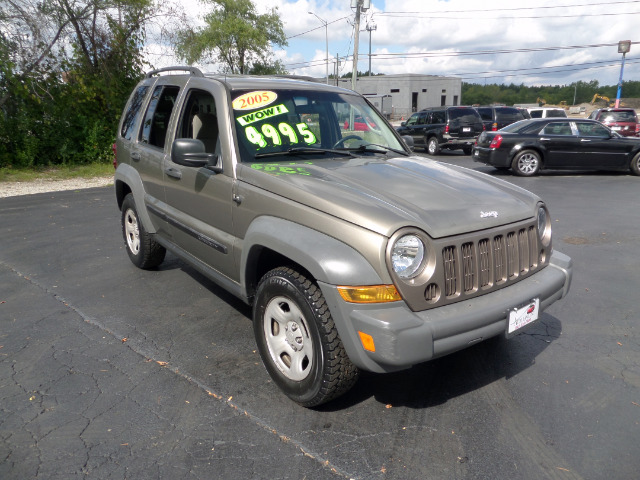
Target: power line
431, 16
607, 4
389, 56
318, 28
616, 65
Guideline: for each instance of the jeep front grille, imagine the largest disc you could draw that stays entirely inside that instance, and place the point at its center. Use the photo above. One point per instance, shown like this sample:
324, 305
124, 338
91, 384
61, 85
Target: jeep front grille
473, 264
514, 254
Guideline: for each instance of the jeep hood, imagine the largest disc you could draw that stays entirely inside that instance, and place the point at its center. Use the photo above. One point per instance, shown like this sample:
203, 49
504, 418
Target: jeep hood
384, 195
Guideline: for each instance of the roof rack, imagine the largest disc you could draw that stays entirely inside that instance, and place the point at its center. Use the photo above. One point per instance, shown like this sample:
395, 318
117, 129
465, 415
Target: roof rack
193, 70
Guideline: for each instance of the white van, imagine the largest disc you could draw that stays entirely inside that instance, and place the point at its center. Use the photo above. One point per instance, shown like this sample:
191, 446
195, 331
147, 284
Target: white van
546, 112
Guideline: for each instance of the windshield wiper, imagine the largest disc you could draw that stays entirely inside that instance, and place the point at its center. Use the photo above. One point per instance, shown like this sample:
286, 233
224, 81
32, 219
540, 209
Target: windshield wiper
304, 151
365, 148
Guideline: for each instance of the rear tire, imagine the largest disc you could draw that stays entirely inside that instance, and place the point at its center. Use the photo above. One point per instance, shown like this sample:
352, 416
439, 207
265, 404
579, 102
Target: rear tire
467, 150
143, 250
298, 340
635, 164
433, 148
526, 163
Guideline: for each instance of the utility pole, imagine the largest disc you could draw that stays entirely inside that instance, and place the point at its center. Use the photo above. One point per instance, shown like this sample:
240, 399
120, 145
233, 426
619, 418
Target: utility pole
356, 39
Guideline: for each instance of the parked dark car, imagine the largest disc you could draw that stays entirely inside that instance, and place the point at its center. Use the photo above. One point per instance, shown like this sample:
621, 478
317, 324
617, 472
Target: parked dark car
557, 143
621, 120
440, 128
496, 117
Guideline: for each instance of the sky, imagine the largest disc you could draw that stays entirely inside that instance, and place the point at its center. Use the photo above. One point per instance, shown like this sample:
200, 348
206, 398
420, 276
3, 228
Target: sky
554, 42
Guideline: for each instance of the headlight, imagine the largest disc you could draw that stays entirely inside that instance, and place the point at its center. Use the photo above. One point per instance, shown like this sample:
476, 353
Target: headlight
407, 256
544, 226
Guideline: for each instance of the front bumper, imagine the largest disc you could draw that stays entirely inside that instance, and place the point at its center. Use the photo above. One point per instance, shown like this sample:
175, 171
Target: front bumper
404, 338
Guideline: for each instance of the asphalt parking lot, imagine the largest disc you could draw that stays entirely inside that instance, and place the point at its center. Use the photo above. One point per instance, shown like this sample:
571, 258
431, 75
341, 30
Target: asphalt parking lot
107, 371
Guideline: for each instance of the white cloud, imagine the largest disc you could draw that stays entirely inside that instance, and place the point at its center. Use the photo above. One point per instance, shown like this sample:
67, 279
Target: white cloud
454, 26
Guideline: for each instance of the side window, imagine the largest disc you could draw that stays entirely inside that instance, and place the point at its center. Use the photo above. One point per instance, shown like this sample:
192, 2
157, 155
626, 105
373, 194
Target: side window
413, 119
438, 117
199, 120
422, 118
592, 130
133, 113
156, 120
536, 113
557, 128
485, 113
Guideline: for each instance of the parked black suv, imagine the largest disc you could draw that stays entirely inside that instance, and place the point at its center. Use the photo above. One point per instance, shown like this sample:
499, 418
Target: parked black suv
444, 127
495, 117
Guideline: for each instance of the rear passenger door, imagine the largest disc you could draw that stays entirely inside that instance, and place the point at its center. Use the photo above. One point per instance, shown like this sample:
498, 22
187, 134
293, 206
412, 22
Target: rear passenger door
561, 145
199, 200
148, 154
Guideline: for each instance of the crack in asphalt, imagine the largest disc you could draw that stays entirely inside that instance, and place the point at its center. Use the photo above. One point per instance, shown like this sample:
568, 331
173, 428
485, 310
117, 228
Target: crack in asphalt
139, 350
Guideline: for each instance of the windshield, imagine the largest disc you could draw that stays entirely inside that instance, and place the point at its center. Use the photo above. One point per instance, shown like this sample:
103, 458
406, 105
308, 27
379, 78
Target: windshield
304, 122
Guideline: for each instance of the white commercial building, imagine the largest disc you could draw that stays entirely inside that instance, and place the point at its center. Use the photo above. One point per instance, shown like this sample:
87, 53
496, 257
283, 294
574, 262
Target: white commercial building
398, 96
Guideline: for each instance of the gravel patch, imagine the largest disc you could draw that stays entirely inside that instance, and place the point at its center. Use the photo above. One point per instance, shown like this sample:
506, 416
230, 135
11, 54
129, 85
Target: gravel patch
13, 189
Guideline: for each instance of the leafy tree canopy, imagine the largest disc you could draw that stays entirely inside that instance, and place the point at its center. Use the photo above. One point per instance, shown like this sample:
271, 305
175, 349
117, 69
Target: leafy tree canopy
235, 35
476, 94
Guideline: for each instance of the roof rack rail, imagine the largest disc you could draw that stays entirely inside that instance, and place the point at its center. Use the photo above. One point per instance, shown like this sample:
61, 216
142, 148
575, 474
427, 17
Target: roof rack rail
193, 70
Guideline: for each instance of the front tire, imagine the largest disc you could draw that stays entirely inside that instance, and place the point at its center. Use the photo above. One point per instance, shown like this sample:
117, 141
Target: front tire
143, 250
433, 148
526, 163
298, 340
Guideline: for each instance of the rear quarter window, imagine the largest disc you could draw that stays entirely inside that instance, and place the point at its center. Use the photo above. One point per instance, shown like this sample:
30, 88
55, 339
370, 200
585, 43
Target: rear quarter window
133, 112
485, 113
509, 115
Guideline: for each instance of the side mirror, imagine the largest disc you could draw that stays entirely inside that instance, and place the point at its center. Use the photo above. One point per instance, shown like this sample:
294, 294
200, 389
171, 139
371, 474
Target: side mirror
403, 124
408, 139
190, 152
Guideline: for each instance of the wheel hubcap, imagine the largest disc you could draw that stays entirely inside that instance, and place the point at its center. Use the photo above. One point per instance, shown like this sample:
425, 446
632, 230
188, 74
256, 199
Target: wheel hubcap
528, 163
287, 335
131, 231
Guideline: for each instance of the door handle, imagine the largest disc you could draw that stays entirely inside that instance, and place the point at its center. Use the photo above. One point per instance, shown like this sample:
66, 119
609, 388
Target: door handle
135, 156
544, 139
172, 172
585, 140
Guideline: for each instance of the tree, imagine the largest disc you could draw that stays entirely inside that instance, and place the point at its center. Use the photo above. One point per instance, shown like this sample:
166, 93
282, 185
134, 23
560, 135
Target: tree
66, 70
235, 35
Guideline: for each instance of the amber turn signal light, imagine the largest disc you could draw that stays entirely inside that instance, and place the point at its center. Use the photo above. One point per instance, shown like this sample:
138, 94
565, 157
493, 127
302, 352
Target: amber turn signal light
367, 341
370, 294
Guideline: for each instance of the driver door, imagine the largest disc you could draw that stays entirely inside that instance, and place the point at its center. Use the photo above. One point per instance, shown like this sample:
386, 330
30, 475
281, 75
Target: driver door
200, 200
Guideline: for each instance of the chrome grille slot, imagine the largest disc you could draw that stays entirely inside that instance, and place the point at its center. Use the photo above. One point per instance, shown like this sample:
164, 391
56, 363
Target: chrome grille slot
523, 247
450, 274
533, 250
484, 260
499, 259
468, 267
513, 266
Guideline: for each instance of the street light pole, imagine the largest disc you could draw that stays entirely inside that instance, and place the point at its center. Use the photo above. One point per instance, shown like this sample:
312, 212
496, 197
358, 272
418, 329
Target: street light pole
326, 38
623, 47
370, 26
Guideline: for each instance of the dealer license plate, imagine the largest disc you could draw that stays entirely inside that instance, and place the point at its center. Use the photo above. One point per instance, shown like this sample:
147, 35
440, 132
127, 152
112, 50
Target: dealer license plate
520, 317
